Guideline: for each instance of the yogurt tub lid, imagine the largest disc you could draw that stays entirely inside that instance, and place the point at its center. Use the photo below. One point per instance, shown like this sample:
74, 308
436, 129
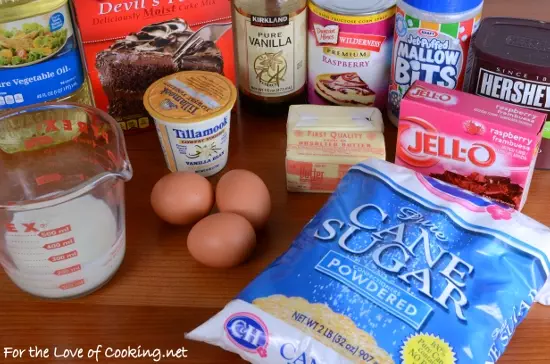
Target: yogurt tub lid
355, 7
190, 97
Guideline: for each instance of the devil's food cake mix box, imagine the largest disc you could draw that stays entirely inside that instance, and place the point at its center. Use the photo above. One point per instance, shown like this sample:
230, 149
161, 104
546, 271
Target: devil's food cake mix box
129, 44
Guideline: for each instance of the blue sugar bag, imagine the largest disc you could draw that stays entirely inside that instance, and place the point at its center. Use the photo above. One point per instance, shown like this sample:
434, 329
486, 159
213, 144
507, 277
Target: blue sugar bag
395, 268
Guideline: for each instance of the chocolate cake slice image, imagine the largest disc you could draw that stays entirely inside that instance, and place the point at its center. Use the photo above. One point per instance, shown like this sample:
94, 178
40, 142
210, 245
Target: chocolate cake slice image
130, 65
344, 89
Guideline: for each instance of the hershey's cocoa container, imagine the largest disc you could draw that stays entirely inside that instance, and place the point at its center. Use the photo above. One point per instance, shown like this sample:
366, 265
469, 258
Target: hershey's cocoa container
349, 51
510, 61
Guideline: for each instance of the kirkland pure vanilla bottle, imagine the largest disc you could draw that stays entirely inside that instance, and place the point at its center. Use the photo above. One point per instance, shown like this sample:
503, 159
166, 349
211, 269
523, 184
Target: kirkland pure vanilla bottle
271, 52
39, 57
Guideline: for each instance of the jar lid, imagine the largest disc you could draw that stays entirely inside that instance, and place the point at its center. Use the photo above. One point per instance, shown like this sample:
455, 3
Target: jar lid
13, 2
444, 6
354, 7
190, 96
12, 10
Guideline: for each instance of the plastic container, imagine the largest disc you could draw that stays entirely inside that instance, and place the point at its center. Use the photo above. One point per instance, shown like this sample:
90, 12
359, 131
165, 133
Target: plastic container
507, 63
62, 221
39, 56
432, 39
192, 113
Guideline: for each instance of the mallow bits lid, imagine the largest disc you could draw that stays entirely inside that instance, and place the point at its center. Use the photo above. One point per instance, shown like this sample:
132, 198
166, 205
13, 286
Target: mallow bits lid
444, 6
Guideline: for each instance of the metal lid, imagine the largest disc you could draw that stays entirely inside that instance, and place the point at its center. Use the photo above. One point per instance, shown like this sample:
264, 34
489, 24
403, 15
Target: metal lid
445, 6
7, 3
12, 10
355, 7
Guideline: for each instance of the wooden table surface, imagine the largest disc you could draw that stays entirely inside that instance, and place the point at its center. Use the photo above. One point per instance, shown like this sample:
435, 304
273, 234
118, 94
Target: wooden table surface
160, 292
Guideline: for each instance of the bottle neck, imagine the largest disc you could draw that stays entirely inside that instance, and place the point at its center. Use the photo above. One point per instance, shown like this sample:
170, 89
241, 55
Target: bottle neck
270, 7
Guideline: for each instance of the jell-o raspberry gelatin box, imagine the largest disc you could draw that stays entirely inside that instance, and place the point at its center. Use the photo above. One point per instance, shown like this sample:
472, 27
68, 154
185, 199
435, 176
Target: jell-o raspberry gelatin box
485, 146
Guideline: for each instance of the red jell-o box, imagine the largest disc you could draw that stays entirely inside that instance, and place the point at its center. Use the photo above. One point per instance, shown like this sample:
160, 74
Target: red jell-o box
129, 44
485, 146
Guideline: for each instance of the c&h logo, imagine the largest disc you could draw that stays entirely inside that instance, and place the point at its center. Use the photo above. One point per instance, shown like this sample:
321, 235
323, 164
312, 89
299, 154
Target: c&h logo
248, 332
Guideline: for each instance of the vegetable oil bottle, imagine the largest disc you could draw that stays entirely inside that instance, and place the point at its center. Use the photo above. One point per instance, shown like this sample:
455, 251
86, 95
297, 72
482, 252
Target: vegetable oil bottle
39, 56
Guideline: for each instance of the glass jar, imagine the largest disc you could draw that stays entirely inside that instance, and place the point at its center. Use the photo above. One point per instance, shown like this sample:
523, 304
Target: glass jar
271, 37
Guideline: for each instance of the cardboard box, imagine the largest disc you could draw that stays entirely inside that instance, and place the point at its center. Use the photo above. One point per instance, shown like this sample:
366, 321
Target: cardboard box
485, 146
129, 44
324, 142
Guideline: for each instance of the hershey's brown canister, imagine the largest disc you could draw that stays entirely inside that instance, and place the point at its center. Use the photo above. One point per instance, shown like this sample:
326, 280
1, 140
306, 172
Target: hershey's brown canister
510, 61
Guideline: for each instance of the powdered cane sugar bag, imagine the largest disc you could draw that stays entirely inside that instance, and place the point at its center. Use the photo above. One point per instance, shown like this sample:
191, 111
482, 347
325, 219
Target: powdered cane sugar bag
395, 268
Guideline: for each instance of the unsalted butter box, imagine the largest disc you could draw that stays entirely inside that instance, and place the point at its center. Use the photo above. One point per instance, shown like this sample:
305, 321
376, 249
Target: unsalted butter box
324, 142
485, 146
129, 44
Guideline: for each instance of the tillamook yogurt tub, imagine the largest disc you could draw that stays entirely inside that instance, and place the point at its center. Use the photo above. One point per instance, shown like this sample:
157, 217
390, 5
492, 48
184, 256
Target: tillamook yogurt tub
349, 51
192, 111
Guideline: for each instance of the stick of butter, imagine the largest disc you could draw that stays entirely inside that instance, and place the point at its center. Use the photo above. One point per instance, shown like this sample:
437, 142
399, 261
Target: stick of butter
323, 142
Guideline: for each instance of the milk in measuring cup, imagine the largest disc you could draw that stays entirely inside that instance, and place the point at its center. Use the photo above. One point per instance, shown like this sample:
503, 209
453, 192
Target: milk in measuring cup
64, 250
62, 174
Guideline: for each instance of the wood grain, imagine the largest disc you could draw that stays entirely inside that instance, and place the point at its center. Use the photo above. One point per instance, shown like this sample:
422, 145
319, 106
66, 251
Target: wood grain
160, 292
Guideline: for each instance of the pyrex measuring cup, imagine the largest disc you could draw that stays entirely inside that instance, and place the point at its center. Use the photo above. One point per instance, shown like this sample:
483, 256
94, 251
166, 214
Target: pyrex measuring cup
62, 223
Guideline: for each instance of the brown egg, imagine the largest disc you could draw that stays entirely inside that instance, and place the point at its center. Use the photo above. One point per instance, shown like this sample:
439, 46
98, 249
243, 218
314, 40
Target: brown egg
244, 193
182, 198
221, 240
